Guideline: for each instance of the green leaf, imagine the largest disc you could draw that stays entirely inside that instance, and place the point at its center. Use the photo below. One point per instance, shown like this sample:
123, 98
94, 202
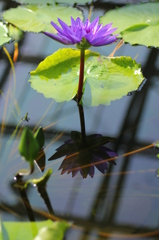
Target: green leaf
57, 231
52, 1
35, 1
28, 146
36, 18
29, 230
57, 76
39, 136
4, 38
109, 79
106, 79
137, 24
74, 1
15, 33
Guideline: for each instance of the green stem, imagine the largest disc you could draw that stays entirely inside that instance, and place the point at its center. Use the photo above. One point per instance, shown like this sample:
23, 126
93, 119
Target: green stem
81, 76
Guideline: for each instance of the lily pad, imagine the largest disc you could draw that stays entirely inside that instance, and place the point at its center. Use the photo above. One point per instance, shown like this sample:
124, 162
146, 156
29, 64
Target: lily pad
55, 232
52, 1
15, 33
37, 18
4, 38
29, 230
137, 24
106, 79
35, 1
74, 1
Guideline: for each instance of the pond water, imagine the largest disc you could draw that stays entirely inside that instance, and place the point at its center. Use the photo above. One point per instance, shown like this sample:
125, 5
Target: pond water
121, 204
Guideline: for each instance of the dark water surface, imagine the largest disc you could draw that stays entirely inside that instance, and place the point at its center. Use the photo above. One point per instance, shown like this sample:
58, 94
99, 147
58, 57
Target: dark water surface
122, 204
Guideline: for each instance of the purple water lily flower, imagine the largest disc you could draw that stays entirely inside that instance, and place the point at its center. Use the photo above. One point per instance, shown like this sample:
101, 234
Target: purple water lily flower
84, 156
83, 34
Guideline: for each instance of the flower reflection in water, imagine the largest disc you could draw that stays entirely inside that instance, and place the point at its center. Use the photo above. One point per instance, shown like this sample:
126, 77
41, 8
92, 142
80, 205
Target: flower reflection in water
83, 155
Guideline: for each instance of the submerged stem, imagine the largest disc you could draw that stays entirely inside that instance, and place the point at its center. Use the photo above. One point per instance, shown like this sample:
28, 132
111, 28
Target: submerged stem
81, 114
81, 75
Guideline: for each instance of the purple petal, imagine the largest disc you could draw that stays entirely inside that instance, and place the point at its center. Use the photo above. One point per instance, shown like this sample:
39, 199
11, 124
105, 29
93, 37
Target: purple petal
101, 36
68, 39
79, 23
80, 34
74, 173
103, 166
91, 171
103, 33
94, 24
57, 38
58, 29
87, 25
73, 24
67, 30
110, 152
106, 41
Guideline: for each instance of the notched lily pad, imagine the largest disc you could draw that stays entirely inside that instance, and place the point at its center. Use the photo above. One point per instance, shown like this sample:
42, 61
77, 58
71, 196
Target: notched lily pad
37, 18
4, 38
137, 24
57, 76
106, 79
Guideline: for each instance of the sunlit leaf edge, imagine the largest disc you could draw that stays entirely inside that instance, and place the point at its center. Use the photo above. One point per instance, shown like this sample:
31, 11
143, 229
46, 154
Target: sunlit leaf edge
37, 18
4, 37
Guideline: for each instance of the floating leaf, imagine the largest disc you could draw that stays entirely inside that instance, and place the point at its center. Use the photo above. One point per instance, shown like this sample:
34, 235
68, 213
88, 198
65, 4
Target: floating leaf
52, 1
57, 231
29, 230
28, 146
4, 38
36, 18
74, 1
39, 136
35, 1
137, 24
15, 33
58, 74
106, 79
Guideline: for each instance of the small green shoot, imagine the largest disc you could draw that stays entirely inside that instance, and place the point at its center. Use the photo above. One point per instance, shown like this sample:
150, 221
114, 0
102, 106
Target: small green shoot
28, 146
39, 136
